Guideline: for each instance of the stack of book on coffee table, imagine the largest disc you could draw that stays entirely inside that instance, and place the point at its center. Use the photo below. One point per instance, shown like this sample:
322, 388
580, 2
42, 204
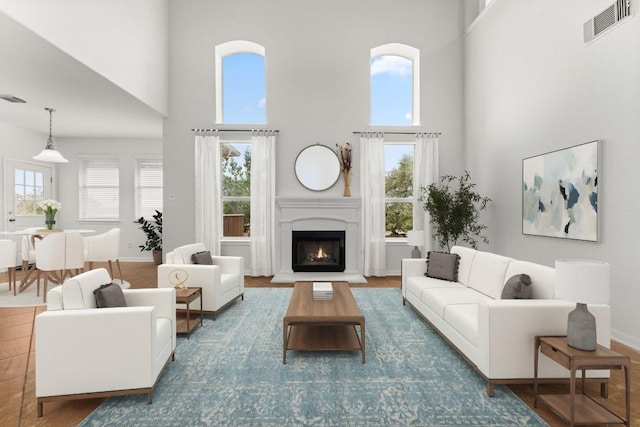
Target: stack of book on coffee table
322, 291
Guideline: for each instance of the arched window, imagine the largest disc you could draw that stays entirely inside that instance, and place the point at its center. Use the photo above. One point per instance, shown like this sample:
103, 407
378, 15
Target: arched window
240, 83
395, 85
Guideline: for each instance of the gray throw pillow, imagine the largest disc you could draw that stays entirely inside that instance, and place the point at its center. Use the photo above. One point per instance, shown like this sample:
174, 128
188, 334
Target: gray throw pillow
109, 295
442, 265
517, 287
203, 257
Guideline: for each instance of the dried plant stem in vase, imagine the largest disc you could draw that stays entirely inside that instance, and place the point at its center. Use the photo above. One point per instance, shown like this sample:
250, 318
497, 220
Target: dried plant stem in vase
344, 153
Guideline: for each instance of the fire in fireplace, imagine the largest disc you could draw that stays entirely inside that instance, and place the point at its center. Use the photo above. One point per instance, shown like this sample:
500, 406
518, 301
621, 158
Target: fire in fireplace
317, 251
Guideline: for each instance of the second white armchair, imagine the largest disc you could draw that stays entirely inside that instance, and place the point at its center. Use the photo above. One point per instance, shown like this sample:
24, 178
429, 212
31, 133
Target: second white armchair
222, 281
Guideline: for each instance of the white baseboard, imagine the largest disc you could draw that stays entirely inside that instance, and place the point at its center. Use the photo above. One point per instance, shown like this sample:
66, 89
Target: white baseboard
626, 339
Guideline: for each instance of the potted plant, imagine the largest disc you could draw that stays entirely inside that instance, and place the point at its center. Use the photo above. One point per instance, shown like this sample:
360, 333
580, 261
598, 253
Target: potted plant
153, 230
454, 211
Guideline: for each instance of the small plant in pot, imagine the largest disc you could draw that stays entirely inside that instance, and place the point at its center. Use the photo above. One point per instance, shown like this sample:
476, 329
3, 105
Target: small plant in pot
153, 230
455, 211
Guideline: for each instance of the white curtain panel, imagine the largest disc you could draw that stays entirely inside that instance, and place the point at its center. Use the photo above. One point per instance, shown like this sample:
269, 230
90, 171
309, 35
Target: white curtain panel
208, 171
372, 179
425, 172
263, 197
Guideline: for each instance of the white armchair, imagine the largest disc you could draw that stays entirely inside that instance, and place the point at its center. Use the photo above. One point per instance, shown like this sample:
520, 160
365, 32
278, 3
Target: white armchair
79, 348
221, 283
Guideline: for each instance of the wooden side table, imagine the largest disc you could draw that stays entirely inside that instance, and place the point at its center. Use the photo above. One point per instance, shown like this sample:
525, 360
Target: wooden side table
187, 296
580, 408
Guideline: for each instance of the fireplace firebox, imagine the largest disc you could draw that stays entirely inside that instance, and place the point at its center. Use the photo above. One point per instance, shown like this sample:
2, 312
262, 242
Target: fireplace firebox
317, 251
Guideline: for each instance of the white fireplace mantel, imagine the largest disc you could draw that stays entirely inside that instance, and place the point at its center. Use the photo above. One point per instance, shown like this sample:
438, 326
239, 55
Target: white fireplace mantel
319, 214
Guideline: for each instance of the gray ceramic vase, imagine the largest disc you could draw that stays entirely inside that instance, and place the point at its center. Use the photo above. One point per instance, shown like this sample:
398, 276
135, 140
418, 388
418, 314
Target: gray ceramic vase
581, 329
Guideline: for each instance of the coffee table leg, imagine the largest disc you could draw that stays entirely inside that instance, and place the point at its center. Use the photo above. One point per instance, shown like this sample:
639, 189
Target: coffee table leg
362, 335
285, 326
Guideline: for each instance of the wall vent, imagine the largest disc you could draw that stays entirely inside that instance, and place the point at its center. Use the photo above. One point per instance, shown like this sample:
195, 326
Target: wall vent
11, 98
606, 19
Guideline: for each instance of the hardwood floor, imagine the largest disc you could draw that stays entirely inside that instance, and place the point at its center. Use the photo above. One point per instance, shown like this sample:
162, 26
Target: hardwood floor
17, 370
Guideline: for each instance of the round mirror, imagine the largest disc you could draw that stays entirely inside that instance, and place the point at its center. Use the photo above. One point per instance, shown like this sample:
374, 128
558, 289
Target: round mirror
317, 167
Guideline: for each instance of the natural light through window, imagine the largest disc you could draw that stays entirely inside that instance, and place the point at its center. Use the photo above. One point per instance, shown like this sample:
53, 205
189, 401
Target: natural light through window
395, 88
240, 83
236, 188
29, 190
391, 91
399, 198
243, 93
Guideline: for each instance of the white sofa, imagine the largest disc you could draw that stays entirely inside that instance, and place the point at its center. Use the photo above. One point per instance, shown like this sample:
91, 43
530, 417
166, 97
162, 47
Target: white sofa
87, 352
221, 283
496, 336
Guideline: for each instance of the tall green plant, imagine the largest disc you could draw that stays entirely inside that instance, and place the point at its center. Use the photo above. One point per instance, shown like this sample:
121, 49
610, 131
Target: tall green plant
153, 231
454, 211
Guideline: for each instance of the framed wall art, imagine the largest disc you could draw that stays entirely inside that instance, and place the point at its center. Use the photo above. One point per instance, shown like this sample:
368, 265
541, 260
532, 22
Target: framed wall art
560, 193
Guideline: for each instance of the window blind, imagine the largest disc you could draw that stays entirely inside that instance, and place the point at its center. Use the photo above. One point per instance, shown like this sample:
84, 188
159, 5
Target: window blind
99, 189
149, 184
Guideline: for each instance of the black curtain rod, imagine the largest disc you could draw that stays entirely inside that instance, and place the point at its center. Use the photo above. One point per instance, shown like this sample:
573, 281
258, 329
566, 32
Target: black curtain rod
397, 133
235, 130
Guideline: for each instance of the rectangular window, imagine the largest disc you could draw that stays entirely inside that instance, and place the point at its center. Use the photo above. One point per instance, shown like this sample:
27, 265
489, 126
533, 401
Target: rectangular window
149, 184
99, 189
29, 190
398, 184
236, 188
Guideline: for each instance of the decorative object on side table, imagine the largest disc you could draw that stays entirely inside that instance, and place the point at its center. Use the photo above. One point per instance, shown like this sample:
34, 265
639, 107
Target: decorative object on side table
415, 238
344, 153
585, 282
50, 208
153, 230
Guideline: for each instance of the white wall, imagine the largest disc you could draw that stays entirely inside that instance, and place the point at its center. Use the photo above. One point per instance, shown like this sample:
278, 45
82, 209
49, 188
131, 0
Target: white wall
127, 151
123, 40
317, 65
532, 87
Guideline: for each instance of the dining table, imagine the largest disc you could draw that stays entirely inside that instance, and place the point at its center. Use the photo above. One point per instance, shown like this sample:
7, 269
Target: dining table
40, 233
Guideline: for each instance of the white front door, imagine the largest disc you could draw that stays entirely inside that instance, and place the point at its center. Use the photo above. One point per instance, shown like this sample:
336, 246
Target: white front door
26, 184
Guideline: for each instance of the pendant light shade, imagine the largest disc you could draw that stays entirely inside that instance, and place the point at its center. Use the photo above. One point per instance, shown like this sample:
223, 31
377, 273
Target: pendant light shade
50, 154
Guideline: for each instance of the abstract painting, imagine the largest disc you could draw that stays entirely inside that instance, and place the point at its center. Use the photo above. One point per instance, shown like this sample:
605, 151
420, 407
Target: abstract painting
560, 193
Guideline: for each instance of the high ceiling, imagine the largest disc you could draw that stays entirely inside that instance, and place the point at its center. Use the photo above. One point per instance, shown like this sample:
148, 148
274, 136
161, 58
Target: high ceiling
86, 104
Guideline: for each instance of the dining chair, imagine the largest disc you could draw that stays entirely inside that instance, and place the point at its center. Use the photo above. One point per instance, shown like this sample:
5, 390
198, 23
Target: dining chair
105, 247
50, 259
73, 254
28, 254
8, 255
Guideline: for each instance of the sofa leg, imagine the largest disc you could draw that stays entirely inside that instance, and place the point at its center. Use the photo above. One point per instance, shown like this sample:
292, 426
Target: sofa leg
150, 398
40, 408
404, 301
490, 389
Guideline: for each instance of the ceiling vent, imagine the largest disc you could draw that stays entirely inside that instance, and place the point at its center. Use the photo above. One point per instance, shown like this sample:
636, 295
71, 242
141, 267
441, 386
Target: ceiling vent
608, 18
14, 99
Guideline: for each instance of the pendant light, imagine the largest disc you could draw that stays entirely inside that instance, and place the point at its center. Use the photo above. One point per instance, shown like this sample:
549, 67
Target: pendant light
50, 154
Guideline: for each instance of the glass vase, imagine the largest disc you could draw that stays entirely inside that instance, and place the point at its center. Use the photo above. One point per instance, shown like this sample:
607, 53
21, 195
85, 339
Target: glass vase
50, 221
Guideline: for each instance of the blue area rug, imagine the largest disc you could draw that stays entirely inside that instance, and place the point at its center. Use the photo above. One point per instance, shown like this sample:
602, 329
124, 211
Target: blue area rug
230, 373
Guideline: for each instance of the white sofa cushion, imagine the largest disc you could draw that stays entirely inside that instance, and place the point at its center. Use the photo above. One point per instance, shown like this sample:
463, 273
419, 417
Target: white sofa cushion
77, 292
487, 273
464, 319
543, 279
416, 285
437, 299
466, 259
182, 254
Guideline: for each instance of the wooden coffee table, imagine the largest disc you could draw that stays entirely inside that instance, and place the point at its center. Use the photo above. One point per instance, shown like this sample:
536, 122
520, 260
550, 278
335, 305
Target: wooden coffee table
322, 325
